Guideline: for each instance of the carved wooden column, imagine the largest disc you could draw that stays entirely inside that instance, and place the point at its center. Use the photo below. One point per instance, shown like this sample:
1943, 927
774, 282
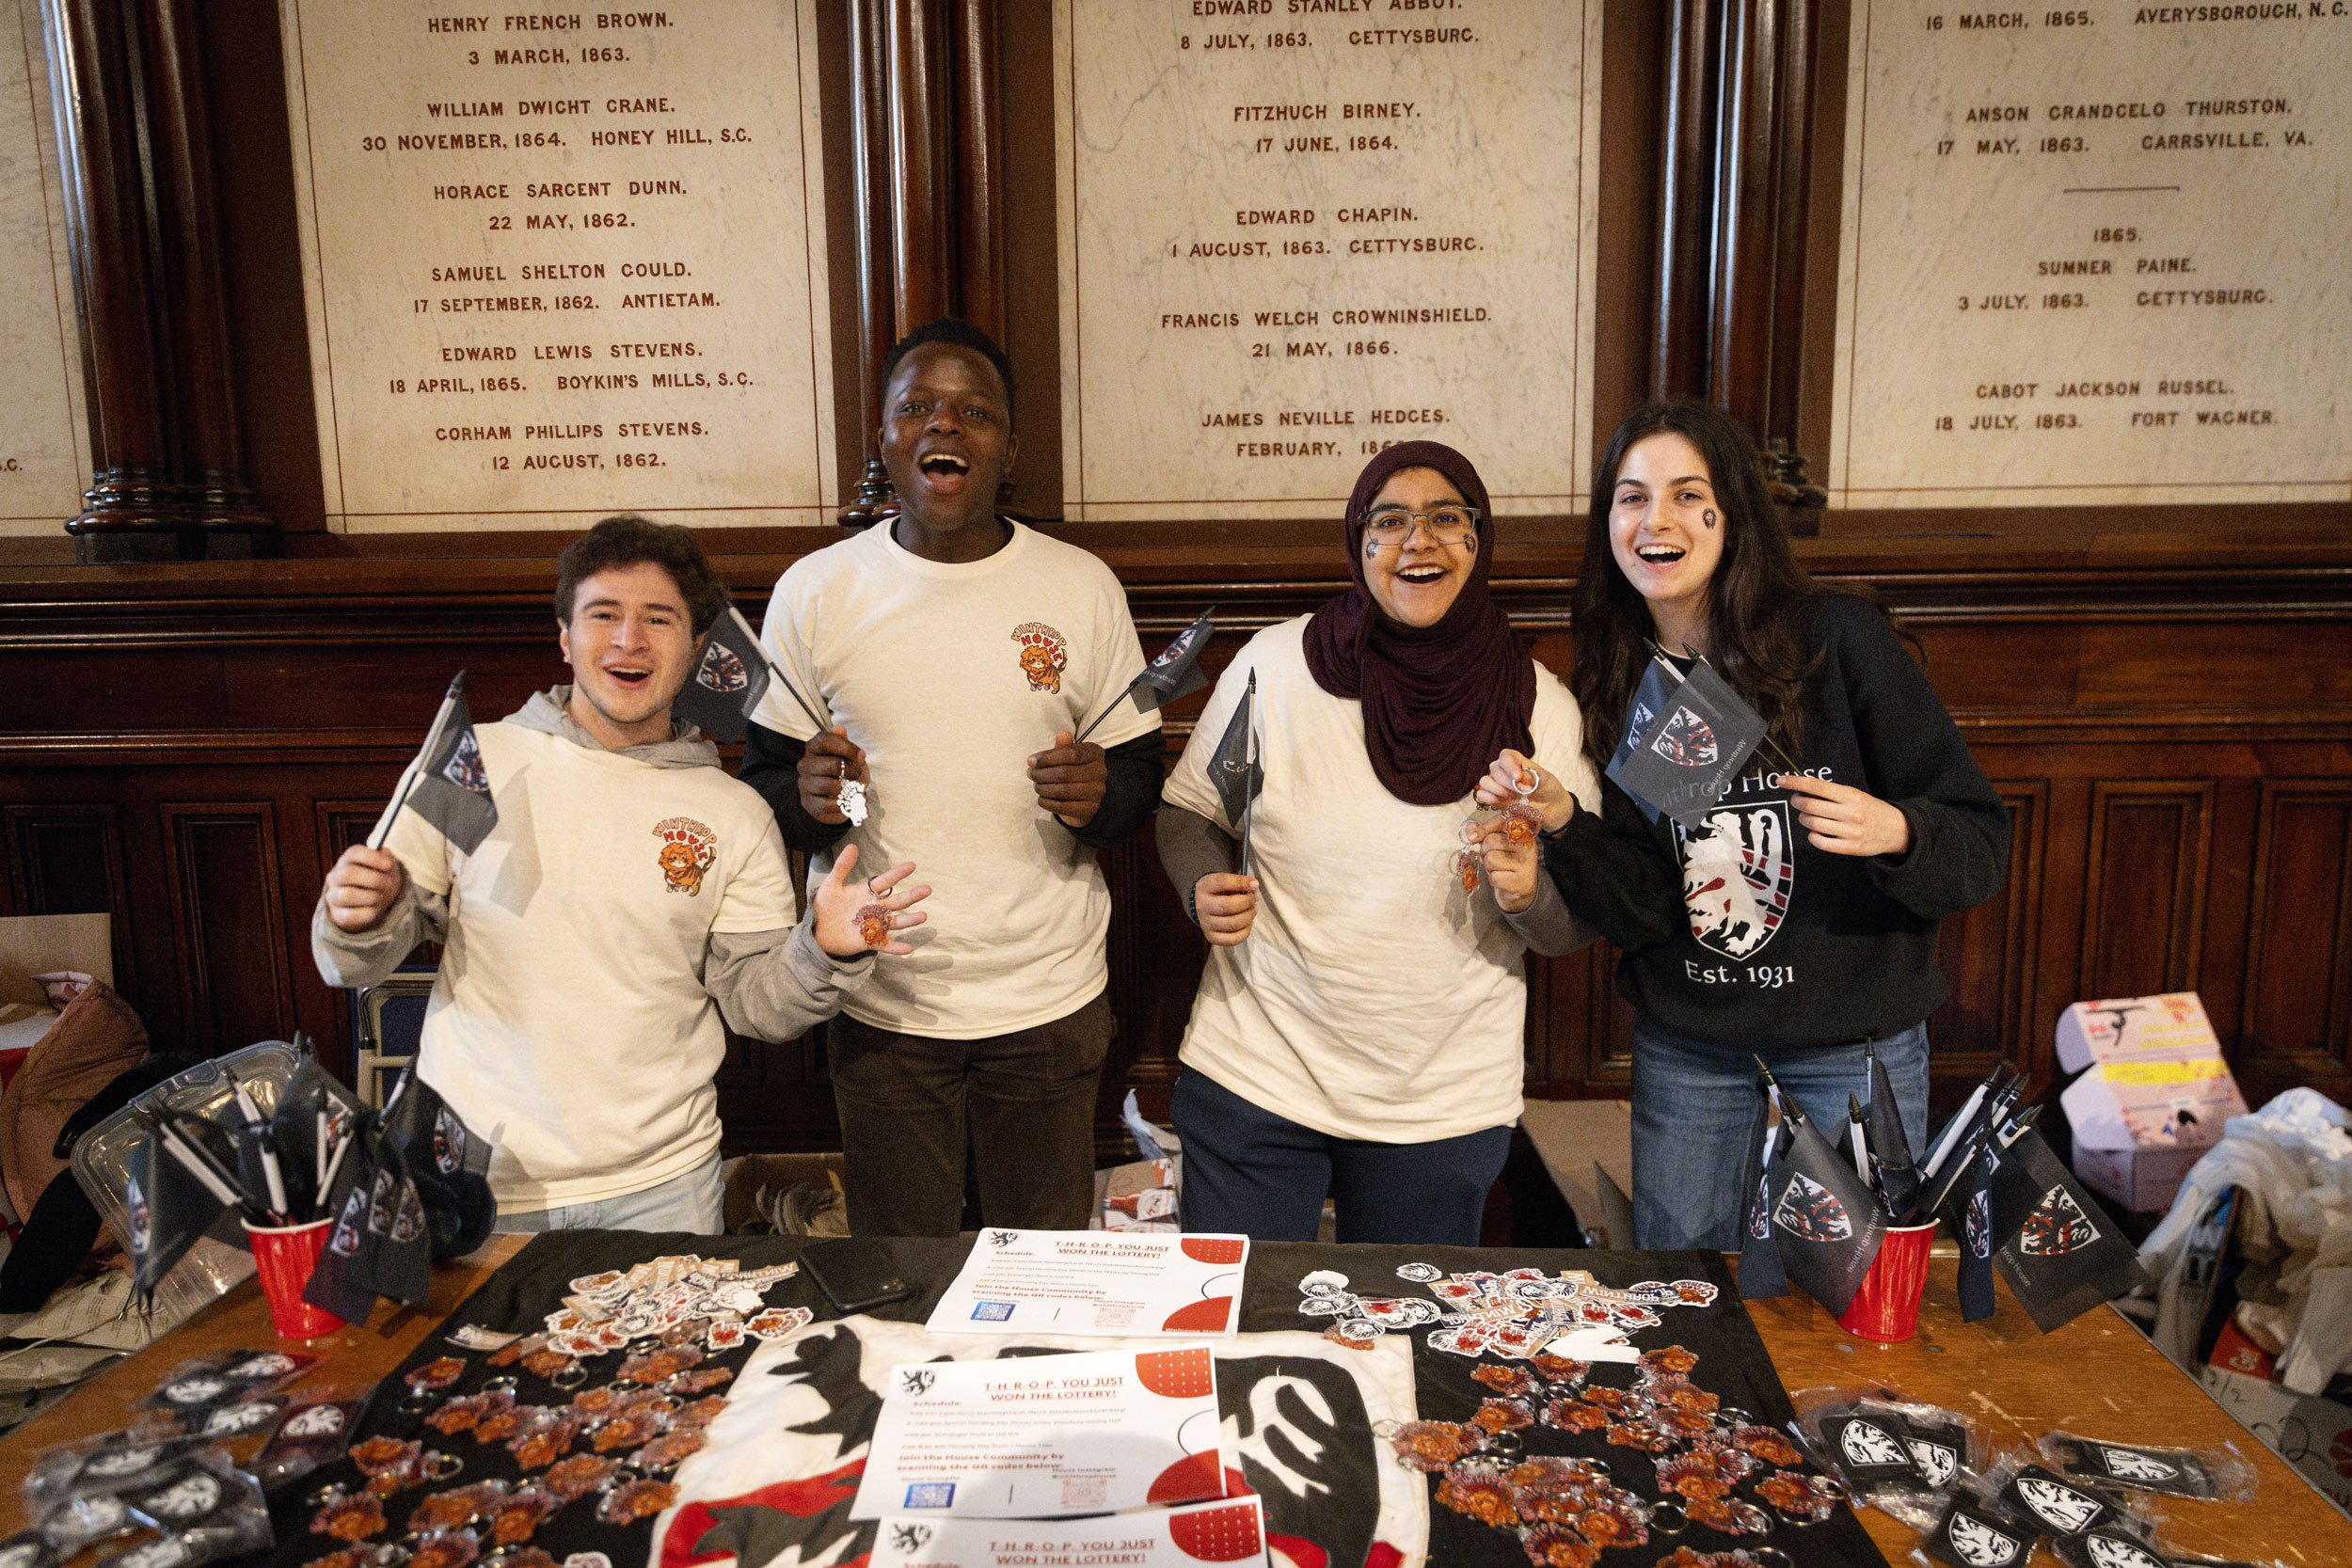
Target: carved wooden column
928, 115
1734, 178
145, 225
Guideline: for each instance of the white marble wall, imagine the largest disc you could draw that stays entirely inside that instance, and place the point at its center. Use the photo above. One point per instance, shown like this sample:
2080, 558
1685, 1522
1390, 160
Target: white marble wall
44, 439
1295, 231
564, 263
2096, 255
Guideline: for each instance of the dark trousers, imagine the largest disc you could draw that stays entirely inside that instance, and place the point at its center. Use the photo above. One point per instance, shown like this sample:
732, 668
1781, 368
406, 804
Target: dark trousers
1249, 1170
1023, 1103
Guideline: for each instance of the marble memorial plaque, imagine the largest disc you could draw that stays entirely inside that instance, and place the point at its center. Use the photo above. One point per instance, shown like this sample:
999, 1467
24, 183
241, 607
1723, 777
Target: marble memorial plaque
44, 437
563, 263
1297, 231
2095, 256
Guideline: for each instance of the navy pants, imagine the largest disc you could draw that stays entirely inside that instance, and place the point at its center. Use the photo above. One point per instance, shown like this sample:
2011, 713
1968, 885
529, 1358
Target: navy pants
1247, 1170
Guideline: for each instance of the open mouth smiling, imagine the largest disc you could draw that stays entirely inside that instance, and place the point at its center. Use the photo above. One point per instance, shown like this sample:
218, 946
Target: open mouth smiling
1420, 576
943, 464
1659, 554
628, 675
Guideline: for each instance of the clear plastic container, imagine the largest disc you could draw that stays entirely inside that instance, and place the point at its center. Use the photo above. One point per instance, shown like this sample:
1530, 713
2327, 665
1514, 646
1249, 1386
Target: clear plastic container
102, 1159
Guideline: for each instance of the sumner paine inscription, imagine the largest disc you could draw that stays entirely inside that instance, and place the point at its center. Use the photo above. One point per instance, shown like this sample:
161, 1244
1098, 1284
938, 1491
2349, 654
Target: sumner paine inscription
44, 441
562, 263
2095, 255
1297, 231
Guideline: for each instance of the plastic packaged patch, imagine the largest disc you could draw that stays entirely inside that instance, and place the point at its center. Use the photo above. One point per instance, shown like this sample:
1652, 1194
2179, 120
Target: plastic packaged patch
220, 1376
1902, 1458
1970, 1534
28, 1548
310, 1435
2204, 1473
108, 1463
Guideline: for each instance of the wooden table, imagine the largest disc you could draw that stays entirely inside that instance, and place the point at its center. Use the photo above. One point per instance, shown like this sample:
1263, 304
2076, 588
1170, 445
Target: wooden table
2097, 1375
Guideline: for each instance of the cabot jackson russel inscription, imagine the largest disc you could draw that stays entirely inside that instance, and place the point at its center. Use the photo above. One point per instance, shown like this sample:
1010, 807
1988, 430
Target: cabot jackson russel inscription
2094, 256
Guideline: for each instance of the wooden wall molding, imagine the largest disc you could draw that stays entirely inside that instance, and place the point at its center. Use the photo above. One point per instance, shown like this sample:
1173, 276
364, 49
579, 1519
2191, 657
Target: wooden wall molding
143, 214
2296, 1018
222, 869
2145, 885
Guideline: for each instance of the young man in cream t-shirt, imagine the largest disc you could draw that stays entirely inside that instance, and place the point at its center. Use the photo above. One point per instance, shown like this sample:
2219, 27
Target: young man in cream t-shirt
958, 654
631, 896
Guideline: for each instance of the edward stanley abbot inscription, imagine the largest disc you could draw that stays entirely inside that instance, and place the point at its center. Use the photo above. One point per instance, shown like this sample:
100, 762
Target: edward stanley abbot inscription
562, 264
2095, 255
1295, 232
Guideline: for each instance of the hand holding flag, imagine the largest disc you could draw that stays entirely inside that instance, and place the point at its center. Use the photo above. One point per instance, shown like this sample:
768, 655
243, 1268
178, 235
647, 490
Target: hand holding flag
1176, 674
446, 784
1238, 767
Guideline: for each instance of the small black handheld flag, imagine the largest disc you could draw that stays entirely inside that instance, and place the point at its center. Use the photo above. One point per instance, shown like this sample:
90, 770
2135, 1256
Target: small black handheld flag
730, 677
446, 784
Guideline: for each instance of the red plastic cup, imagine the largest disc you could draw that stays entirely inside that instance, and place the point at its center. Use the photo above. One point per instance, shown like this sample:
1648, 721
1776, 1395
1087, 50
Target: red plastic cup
284, 1256
1887, 1305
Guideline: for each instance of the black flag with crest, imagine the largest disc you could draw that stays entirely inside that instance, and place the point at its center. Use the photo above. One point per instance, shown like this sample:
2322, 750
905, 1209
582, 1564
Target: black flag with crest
345, 1281
1659, 680
448, 786
447, 1162
1898, 1174
2061, 1252
1235, 768
1968, 1209
1760, 1271
167, 1208
1704, 735
730, 677
1825, 1220
1175, 674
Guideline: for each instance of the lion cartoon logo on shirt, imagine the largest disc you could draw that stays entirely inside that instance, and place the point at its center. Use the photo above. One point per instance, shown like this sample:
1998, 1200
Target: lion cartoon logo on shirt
1044, 654
687, 850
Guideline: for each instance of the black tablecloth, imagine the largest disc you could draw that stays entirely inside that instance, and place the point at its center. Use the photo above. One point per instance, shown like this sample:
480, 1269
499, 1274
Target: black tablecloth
1731, 1363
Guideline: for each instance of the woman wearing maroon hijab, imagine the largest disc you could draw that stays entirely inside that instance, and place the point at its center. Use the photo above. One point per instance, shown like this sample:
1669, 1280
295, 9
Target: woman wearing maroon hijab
1358, 1032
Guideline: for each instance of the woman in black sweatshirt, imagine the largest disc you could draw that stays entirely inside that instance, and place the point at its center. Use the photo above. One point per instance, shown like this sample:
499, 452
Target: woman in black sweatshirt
1796, 919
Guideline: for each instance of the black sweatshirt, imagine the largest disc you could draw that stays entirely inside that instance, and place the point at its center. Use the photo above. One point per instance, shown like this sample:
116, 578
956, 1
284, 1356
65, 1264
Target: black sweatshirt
771, 765
1737, 930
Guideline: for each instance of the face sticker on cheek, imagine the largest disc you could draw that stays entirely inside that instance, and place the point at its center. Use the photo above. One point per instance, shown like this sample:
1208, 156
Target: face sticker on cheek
1707, 517
1370, 549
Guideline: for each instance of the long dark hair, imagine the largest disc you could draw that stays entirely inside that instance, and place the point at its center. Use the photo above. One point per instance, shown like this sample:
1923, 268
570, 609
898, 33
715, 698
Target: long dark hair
1755, 601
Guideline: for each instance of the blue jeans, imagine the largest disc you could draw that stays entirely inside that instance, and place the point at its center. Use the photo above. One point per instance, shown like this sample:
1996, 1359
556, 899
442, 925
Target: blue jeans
1247, 1170
695, 1202
1694, 1103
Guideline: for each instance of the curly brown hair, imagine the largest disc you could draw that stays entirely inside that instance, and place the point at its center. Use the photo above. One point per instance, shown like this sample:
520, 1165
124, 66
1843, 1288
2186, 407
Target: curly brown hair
629, 539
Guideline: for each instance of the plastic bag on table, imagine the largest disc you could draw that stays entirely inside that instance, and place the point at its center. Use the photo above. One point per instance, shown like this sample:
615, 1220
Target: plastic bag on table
109, 1462
1899, 1456
2205, 1474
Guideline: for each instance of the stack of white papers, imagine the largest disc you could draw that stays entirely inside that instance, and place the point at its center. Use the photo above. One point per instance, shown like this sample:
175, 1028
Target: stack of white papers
1113, 1285
1046, 1436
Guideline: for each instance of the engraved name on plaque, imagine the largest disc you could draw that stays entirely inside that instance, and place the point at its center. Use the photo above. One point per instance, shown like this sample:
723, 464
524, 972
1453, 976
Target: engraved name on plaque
563, 263
2095, 256
1297, 231
45, 436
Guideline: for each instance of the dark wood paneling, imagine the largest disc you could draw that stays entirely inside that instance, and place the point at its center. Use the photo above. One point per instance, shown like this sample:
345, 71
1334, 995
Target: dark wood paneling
1987, 956
67, 858
2298, 1017
223, 879
2150, 842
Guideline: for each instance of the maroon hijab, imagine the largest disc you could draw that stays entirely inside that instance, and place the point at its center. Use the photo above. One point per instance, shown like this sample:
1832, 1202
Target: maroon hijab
1441, 702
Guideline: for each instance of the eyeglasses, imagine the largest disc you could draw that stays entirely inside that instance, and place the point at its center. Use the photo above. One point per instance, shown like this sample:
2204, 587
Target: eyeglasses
1447, 525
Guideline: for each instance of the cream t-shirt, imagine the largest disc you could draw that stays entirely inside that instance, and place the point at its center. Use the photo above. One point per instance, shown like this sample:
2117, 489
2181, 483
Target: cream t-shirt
568, 1023
950, 677
1373, 998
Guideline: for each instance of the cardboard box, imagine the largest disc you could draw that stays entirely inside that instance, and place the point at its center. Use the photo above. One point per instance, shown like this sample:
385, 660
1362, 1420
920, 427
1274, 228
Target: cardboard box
2314, 1434
2153, 1096
1139, 1195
